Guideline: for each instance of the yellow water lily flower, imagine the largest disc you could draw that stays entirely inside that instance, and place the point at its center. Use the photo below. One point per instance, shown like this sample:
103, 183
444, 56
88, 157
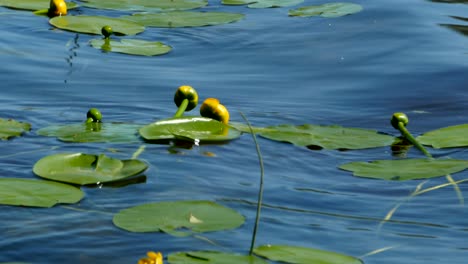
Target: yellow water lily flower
213, 109
153, 258
57, 8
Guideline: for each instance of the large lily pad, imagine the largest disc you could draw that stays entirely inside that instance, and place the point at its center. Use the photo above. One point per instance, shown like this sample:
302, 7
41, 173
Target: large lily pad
327, 10
131, 46
303, 255
93, 132
37, 193
11, 128
212, 257
195, 129
263, 3
179, 218
94, 24
447, 137
79, 168
184, 19
31, 4
145, 5
406, 169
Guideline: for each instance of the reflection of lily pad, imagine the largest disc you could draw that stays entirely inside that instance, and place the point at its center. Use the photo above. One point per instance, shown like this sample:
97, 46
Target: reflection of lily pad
145, 5
94, 24
327, 10
196, 129
79, 168
131, 46
11, 128
303, 255
263, 3
37, 193
179, 218
93, 132
406, 169
31, 4
184, 19
447, 137
211, 257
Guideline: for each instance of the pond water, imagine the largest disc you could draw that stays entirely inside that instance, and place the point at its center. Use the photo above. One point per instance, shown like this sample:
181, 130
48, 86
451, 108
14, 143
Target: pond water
355, 71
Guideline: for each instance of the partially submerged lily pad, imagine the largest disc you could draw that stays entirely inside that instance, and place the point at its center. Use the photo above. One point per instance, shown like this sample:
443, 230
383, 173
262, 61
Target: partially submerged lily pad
195, 129
94, 24
184, 19
31, 5
405, 169
263, 3
212, 257
303, 255
11, 128
37, 193
79, 168
447, 137
327, 10
180, 218
131, 46
145, 5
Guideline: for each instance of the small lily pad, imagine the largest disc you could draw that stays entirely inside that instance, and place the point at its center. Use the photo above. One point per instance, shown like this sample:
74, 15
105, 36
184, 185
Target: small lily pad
405, 169
178, 218
145, 5
79, 168
94, 24
184, 19
195, 129
37, 193
447, 137
327, 10
212, 257
31, 5
303, 255
11, 128
263, 3
131, 46
93, 132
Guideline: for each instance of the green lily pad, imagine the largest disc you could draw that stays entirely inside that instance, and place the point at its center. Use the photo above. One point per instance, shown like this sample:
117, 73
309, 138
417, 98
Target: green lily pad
327, 10
405, 169
131, 46
262, 3
145, 5
94, 24
447, 137
212, 257
184, 19
196, 129
11, 128
31, 5
180, 218
93, 132
37, 193
303, 255
79, 168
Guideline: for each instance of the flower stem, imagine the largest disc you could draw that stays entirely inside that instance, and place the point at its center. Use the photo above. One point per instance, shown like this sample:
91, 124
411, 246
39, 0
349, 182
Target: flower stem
182, 108
410, 137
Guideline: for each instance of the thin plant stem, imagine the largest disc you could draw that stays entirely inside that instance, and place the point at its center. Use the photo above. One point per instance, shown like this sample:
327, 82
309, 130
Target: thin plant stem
410, 137
182, 108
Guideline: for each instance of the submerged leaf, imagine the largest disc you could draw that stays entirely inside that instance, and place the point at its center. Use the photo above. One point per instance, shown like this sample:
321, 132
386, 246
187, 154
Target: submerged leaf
11, 128
263, 3
447, 137
94, 24
31, 4
131, 46
145, 5
212, 257
406, 169
327, 10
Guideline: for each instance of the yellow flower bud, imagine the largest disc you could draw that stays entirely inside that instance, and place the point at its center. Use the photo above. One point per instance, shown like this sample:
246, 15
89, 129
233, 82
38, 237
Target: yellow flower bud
213, 109
57, 8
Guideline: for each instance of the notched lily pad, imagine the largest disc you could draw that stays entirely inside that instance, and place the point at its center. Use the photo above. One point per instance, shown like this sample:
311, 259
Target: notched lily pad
11, 128
179, 218
405, 169
145, 5
184, 19
447, 137
37, 193
131, 46
79, 168
212, 257
327, 10
94, 24
263, 3
195, 129
303, 255
31, 5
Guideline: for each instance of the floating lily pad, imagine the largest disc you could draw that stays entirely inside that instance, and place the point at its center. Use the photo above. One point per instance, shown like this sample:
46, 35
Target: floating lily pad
79, 168
37, 193
93, 132
327, 10
303, 255
145, 5
184, 19
94, 24
11, 128
447, 137
179, 218
263, 3
212, 257
31, 4
131, 46
196, 129
405, 169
